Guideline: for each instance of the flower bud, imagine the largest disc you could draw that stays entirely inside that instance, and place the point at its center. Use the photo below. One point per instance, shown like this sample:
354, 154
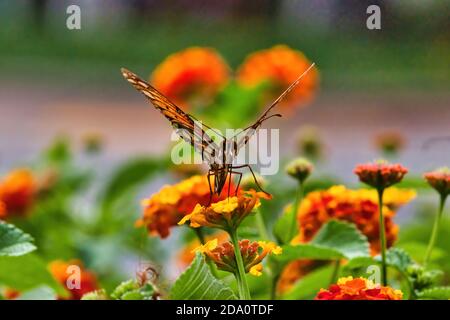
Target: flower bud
299, 169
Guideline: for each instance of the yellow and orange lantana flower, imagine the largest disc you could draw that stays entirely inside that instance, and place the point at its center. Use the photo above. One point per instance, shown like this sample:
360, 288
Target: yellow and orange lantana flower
281, 66
356, 206
17, 193
61, 272
165, 208
191, 75
349, 288
226, 214
187, 253
252, 253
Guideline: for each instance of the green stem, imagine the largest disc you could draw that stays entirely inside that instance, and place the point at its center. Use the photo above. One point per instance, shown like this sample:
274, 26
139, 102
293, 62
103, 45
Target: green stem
382, 238
201, 238
298, 200
262, 230
334, 275
435, 231
244, 292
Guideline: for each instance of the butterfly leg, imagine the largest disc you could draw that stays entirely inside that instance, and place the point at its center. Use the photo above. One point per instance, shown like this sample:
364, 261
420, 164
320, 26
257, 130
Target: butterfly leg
239, 181
254, 177
210, 188
229, 184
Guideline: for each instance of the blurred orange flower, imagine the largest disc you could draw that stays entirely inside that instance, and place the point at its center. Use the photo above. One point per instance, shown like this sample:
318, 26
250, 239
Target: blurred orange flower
226, 214
62, 273
358, 289
165, 208
252, 253
294, 271
187, 254
281, 66
17, 191
193, 75
357, 206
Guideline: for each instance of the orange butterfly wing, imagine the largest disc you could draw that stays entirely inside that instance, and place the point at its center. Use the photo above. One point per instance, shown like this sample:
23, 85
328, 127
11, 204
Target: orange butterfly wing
182, 122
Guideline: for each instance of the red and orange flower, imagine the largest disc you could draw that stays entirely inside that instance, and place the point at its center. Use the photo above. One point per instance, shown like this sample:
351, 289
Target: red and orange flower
165, 208
439, 180
252, 253
380, 174
193, 75
17, 193
281, 66
349, 288
61, 272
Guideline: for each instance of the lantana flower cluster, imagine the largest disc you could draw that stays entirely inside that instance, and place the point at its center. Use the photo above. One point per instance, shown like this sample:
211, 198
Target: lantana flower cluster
167, 207
252, 253
349, 288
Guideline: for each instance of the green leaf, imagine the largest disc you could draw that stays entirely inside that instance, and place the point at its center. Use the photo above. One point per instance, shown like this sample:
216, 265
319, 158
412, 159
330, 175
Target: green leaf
308, 251
131, 174
27, 272
197, 283
308, 286
335, 240
344, 237
283, 225
437, 293
13, 241
399, 259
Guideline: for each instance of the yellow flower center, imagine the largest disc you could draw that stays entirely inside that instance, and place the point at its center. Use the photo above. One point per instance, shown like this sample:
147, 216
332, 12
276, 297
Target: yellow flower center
225, 206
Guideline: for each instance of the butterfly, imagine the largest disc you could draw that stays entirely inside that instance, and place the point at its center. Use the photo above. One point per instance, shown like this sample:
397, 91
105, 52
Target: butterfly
220, 157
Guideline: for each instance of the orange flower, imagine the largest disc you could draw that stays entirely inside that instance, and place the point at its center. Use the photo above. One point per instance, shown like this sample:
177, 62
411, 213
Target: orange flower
281, 66
296, 270
191, 75
164, 209
252, 253
17, 192
380, 174
63, 273
226, 214
358, 289
187, 255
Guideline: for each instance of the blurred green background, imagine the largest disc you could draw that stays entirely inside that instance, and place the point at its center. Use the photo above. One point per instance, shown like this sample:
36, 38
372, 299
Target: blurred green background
60, 82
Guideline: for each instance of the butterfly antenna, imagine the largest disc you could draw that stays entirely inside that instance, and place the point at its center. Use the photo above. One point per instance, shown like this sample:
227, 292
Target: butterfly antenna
289, 89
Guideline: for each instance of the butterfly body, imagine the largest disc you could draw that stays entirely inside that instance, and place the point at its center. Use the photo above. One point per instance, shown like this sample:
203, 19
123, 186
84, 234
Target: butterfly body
220, 157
